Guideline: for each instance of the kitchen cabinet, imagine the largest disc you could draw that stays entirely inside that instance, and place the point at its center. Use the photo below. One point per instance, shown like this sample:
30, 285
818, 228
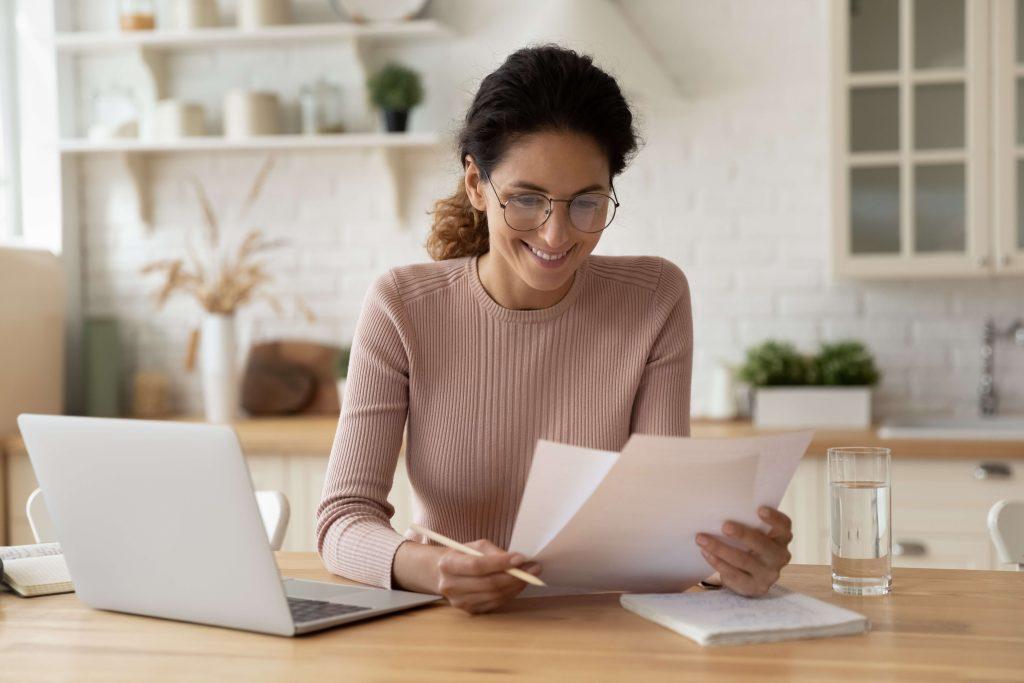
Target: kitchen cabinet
927, 137
942, 489
299, 476
301, 479
939, 510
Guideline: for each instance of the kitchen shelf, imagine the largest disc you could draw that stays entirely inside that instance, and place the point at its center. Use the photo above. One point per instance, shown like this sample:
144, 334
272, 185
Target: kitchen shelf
263, 142
93, 41
135, 155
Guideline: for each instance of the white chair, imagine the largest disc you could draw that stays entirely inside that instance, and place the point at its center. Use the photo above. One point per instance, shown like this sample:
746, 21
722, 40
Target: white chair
273, 506
1006, 526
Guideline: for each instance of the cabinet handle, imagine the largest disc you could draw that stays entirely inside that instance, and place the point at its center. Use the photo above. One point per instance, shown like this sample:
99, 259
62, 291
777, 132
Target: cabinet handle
909, 549
993, 470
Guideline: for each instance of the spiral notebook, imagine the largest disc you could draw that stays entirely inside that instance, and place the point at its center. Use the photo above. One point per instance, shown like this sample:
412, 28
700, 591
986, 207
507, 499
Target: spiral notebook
722, 617
31, 570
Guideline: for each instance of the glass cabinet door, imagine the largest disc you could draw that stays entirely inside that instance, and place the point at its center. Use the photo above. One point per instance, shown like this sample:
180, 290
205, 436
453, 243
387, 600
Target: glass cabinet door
910, 137
1008, 140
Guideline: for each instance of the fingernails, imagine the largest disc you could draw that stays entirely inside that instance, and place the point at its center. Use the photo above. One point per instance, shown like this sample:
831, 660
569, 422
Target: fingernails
729, 528
702, 540
763, 513
517, 559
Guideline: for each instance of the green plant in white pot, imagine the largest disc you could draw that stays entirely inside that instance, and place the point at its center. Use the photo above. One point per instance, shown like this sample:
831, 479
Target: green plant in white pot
396, 89
829, 389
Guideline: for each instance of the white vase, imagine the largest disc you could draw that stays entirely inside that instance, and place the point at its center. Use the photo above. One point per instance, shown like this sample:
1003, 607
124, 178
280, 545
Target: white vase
218, 366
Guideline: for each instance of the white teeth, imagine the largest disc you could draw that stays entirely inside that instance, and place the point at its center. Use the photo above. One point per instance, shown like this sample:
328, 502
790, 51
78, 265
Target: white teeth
545, 255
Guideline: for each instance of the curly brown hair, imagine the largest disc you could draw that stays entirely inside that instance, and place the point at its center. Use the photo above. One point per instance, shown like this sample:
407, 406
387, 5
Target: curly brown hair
540, 88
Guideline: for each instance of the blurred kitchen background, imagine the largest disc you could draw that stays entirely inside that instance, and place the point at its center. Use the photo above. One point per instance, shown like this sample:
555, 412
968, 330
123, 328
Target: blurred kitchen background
841, 172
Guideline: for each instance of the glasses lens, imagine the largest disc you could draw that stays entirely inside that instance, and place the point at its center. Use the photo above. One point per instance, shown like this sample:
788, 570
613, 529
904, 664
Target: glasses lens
526, 211
589, 212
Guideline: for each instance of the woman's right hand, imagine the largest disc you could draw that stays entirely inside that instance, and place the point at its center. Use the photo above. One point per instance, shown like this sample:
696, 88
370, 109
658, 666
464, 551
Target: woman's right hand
480, 584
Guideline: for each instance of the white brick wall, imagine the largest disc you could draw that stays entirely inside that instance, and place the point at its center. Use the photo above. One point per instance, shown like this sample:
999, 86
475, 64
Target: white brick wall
732, 185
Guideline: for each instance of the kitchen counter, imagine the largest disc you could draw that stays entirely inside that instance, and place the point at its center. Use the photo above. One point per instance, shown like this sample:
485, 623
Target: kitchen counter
309, 435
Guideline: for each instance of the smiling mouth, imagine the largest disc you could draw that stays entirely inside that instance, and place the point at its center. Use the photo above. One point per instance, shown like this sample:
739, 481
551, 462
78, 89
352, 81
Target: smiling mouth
547, 256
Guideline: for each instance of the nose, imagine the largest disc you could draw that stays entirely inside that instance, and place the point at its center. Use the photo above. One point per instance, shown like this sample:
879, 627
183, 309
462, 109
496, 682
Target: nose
557, 229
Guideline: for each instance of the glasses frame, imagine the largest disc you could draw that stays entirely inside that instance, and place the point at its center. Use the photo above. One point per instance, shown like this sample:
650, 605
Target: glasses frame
551, 207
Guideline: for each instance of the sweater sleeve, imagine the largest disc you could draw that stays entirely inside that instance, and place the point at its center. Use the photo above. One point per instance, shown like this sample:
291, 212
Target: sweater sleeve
355, 538
662, 403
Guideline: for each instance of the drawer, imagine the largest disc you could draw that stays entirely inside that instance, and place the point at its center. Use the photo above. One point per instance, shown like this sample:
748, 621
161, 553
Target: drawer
942, 551
946, 497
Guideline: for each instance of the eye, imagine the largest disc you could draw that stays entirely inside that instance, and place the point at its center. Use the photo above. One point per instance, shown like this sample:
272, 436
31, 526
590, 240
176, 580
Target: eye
589, 201
527, 201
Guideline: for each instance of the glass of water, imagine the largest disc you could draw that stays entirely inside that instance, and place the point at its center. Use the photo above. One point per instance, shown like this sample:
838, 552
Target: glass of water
860, 520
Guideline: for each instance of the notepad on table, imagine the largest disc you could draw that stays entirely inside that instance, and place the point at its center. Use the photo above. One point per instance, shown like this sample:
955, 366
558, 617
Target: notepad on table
722, 617
32, 570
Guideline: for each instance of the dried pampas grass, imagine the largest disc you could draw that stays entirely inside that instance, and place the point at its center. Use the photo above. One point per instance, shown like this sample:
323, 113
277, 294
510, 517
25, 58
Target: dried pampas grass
222, 282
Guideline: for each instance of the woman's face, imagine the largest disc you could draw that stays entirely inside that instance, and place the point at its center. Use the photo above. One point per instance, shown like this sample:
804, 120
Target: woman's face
555, 164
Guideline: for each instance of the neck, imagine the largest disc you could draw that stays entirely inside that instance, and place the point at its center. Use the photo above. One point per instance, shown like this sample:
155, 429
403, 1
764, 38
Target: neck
509, 291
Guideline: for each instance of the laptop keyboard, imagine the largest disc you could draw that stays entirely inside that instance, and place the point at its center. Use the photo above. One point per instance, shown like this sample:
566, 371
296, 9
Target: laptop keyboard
304, 610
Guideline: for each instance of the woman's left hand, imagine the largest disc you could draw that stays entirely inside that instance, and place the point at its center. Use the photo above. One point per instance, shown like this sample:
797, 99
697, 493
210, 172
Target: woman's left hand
753, 571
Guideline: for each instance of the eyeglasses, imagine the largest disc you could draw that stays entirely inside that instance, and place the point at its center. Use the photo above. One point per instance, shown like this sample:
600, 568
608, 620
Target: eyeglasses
588, 211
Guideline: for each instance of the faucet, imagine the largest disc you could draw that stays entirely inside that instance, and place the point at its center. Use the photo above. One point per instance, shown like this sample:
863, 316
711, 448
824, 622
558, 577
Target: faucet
988, 397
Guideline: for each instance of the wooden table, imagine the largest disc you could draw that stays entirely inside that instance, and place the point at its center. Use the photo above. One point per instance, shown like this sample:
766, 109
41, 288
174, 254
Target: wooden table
938, 625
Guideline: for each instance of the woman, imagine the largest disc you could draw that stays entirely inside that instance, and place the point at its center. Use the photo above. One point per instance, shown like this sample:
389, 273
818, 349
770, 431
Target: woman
516, 332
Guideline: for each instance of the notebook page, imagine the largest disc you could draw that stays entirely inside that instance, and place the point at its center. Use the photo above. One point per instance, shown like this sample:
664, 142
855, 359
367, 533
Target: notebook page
28, 572
13, 552
725, 612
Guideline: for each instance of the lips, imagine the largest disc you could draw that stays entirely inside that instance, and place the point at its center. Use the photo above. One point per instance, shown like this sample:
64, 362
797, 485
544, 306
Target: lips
530, 248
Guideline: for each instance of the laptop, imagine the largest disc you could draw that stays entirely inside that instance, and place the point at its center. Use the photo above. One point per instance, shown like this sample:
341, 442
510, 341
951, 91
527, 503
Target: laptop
160, 519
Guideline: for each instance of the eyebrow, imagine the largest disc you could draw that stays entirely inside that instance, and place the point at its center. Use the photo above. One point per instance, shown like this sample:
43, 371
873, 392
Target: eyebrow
530, 186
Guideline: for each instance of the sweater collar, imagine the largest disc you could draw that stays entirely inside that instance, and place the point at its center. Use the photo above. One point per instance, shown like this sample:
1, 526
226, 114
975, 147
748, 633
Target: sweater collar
498, 311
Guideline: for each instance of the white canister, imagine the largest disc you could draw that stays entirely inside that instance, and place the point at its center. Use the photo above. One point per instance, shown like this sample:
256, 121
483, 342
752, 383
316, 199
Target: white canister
248, 113
258, 13
192, 14
174, 119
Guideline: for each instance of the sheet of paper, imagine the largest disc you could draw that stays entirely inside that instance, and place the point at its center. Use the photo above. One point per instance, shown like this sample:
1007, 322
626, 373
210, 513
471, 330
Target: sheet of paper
561, 479
635, 531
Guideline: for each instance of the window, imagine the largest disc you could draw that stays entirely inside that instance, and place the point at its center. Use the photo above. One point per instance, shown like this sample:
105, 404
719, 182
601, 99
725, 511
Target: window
10, 215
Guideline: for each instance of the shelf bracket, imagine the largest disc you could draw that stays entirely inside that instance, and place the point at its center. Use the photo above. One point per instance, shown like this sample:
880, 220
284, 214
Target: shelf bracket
391, 165
137, 166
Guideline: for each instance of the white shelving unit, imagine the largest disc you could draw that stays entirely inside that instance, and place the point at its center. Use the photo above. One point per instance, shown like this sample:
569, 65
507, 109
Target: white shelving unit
151, 49
91, 41
212, 143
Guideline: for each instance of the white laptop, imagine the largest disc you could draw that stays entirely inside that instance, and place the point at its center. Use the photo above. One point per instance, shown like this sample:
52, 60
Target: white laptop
160, 519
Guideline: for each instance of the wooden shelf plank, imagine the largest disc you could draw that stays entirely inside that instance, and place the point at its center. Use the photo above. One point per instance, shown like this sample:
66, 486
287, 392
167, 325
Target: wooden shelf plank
88, 41
217, 143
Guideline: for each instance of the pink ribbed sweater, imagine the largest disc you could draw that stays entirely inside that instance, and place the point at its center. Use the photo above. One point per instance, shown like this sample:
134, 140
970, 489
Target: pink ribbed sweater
480, 383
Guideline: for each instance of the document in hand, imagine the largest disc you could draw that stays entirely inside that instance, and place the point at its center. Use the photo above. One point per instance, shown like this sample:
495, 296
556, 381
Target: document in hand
627, 521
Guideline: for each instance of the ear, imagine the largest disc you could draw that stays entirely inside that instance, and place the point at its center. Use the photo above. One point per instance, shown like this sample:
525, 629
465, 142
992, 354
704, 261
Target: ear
475, 185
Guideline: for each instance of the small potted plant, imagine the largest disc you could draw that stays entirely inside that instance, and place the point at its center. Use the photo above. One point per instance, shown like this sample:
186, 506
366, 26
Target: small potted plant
341, 371
829, 389
396, 89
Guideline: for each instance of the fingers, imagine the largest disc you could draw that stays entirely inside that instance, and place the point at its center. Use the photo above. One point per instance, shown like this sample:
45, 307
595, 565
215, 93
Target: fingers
738, 580
742, 559
754, 569
770, 551
781, 525
493, 560
481, 584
